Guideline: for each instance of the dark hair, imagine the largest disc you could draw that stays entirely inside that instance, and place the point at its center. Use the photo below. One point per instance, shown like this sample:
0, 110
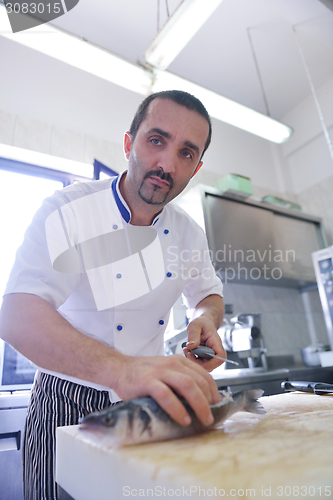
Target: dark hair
179, 97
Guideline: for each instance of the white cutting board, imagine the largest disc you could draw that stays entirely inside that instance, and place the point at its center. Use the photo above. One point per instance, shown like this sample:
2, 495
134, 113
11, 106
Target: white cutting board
286, 453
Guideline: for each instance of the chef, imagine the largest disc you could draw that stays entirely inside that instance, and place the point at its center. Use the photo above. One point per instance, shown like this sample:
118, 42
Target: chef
91, 290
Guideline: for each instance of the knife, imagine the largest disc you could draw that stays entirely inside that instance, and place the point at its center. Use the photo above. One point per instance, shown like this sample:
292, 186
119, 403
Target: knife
204, 352
315, 387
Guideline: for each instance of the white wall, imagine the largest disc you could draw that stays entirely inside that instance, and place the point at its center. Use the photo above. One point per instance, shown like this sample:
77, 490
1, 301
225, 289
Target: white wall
236, 151
308, 164
307, 152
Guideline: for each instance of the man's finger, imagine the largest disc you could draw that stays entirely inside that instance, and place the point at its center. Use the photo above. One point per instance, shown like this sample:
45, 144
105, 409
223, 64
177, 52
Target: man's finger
187, 388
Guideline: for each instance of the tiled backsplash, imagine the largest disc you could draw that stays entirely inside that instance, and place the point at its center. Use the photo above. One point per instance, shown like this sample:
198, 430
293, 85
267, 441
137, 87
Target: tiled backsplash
284, 326
283, 320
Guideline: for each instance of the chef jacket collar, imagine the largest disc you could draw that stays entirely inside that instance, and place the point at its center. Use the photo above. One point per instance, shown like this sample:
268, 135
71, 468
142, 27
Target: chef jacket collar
121, 203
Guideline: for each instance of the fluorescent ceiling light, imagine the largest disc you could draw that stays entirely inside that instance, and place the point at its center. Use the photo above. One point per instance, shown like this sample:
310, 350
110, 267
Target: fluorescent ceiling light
178, 31
92, 59
80, 54
47, 161
225, 109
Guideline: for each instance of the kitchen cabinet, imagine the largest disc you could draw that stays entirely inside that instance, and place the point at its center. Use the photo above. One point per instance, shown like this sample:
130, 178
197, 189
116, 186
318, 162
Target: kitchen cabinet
13, 410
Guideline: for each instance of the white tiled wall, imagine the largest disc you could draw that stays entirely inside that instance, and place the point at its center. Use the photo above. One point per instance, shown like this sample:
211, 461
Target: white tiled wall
318, 200
67, 144
29, 133
7, 121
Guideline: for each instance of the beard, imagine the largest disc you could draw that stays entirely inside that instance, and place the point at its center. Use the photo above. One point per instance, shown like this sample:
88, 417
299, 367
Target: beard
155, 195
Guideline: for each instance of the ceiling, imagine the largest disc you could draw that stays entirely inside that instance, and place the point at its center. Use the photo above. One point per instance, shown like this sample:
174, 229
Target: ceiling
220, 56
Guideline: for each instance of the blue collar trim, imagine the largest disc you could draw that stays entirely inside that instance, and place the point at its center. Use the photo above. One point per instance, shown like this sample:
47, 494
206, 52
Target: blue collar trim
122, 209
125, 213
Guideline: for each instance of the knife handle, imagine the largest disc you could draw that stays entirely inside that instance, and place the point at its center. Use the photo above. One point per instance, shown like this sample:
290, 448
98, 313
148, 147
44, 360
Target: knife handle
316, 387
202, 351
297, 386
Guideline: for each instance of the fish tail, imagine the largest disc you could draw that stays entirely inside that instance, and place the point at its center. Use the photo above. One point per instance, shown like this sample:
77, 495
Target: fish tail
252, 404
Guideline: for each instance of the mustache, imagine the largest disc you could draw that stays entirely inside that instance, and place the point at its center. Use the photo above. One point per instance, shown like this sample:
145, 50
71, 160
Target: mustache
161, 174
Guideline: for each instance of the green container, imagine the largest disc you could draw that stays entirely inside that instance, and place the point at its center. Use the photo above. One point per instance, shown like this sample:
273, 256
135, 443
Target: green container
236, 184
274, 200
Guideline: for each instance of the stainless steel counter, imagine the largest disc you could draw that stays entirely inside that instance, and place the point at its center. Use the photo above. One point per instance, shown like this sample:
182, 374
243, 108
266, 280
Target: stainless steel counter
268, 380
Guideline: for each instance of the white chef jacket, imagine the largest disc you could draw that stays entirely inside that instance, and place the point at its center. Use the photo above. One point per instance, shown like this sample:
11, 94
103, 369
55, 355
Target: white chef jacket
112, 281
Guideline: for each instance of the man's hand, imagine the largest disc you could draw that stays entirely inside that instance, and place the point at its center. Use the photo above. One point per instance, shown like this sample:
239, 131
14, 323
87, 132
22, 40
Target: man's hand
203, 331
159, 376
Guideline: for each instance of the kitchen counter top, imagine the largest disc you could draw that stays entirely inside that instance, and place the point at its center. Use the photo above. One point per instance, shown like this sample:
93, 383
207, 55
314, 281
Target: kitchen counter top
269, 380
244, 374
285, 453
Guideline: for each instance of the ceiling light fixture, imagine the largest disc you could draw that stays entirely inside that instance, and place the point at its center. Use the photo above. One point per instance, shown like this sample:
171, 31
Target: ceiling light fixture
80, 54
178, 31
103, 64
226, 110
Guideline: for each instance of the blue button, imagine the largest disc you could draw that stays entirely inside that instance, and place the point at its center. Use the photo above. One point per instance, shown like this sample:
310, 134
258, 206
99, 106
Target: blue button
119, 327
169, 274
118, 276
166, 231
115, 226
161, 322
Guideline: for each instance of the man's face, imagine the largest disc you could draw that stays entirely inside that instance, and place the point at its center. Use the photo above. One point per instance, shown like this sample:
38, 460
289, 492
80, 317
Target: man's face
166, 151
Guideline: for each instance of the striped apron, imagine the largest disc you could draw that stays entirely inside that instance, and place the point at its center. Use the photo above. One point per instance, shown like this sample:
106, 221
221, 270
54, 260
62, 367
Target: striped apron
54, 402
